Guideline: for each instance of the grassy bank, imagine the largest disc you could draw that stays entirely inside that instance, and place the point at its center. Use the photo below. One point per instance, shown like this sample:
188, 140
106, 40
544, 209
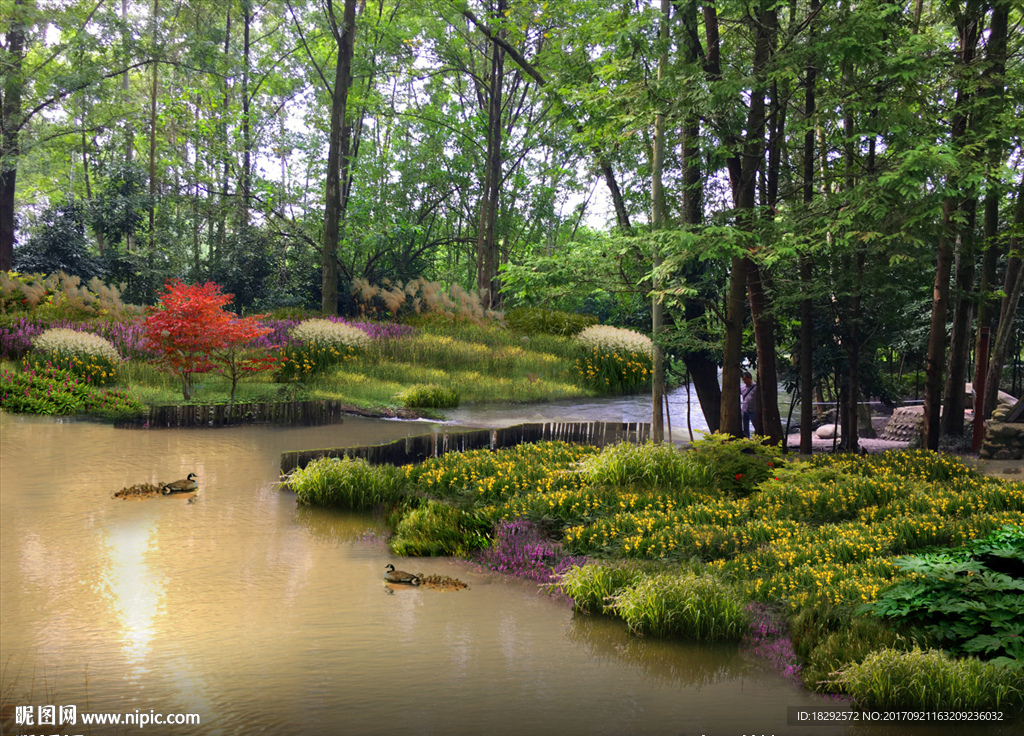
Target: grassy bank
426, 366
843, 548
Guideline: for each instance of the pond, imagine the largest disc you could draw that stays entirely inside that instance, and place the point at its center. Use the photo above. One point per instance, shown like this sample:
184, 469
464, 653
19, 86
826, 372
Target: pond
261, 617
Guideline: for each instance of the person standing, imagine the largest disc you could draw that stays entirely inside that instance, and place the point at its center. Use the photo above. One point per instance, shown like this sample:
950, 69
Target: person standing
748, 401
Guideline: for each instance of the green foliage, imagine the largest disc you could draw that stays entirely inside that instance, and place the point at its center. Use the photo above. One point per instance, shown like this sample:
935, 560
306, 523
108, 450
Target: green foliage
963, 599
53, 390
435, 529
429, 396
931, 680
828, 638
592, 586
688, 605
739, 464
348, 483
650, 465
58, 243
534, 320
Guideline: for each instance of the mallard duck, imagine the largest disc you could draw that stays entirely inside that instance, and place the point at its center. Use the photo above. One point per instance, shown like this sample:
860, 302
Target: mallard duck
181, 486
400, 576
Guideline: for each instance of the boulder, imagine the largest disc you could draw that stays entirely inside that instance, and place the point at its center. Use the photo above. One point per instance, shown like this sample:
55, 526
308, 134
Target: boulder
827, 431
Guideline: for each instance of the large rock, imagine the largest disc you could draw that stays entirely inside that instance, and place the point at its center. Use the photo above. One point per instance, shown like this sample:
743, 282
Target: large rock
827, 431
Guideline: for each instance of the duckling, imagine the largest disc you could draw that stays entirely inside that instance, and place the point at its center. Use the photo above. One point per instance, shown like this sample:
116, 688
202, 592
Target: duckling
185, 485
400, 576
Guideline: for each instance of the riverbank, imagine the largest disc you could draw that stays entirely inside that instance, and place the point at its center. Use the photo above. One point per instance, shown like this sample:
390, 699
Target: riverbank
697, 536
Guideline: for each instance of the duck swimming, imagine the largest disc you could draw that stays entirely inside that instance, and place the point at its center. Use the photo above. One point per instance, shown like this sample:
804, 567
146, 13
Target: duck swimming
181, 486
400, 576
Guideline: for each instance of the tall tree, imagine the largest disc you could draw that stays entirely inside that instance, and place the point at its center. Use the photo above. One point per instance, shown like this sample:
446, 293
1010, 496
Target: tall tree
338, 153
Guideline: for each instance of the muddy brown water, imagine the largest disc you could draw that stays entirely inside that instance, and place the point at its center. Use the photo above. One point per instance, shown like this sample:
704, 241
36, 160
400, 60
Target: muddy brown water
261, 617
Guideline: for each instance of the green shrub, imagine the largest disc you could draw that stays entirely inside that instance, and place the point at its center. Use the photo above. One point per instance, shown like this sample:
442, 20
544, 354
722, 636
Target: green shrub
738, 464
435, 529
691, 606
592, 586
348, 483
650, 465
931, 680
52, 390
84, 354
428, 396
537, 320
971, 599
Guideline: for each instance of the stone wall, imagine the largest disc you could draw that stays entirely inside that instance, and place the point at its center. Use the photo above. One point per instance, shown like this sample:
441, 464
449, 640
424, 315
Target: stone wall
907, 422
1003, 441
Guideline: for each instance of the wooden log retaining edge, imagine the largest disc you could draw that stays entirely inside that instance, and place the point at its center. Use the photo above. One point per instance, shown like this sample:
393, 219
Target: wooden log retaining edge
421, 447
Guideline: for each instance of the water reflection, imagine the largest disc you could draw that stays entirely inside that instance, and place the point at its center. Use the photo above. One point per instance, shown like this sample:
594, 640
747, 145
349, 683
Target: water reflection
664, 662
136, 590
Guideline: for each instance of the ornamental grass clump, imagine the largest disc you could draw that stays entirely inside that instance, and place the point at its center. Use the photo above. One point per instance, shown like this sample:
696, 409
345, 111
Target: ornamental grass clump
320, 345
650, 465
593, 586
613, 360
347, 483
435, 529
687, 605
428, 396
931, 680
86, 355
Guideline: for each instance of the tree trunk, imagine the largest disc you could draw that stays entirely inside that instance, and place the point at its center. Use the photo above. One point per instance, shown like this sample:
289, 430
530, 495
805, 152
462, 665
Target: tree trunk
960, 337
152, 138
217, 249
337, 155
731, 420
10, 130
245, 179
487, 246
991, 95
764, 338
744, 182
935, 359
1012, 286
704, 373
967, 26
657, 223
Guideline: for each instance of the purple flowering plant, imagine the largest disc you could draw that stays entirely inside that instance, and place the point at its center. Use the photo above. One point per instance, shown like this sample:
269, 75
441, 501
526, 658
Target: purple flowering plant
767, 641
520, 549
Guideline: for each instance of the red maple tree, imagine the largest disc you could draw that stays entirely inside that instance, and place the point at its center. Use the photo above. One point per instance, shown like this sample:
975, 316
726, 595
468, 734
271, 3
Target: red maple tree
195, 335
